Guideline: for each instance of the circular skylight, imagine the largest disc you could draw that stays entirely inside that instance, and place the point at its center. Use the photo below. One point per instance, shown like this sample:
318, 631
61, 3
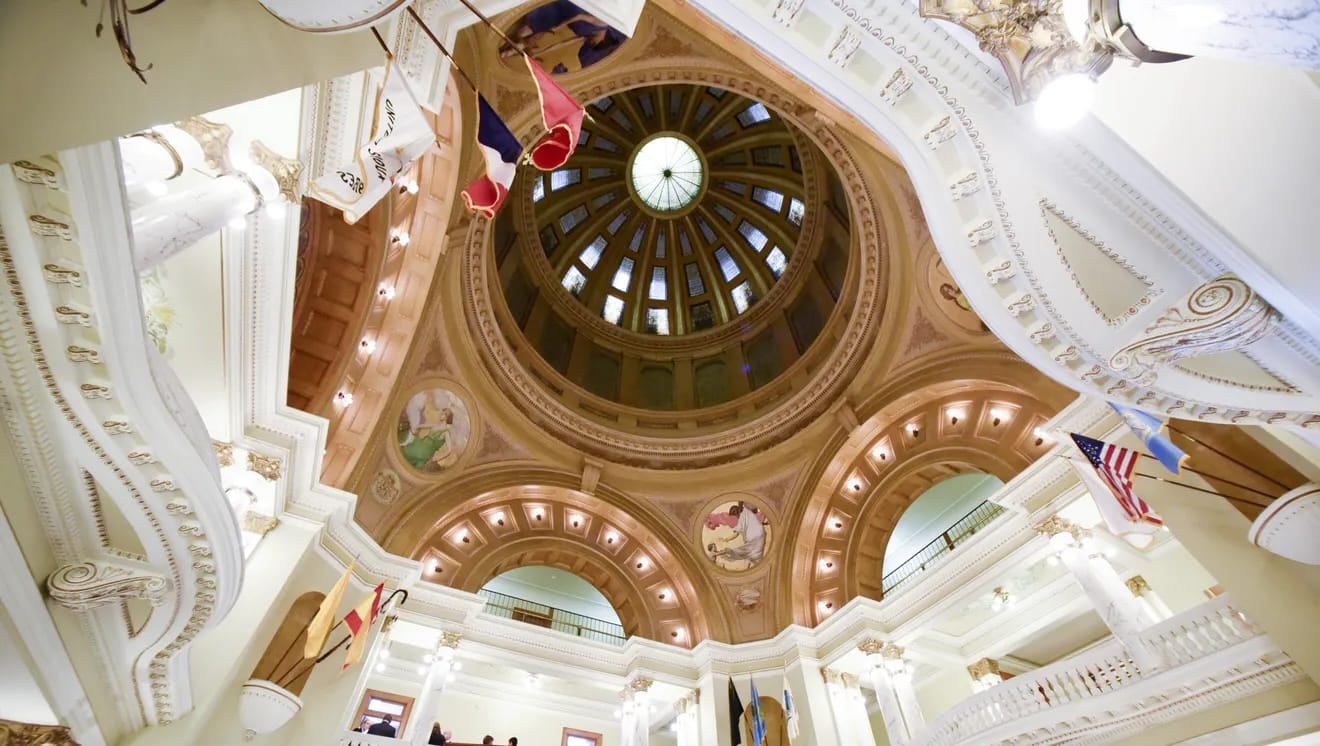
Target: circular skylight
666, 173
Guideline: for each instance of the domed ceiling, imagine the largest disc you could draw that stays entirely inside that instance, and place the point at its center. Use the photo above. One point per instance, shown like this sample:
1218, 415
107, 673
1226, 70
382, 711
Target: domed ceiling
682, 207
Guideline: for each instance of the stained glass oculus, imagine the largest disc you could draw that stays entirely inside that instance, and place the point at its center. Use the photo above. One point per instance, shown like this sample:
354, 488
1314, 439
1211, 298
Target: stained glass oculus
666, 173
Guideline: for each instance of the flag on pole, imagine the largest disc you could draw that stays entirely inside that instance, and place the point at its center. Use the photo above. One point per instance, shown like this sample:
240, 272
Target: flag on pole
1139, 534
790, 715
735, 716
758, 720
359, 624
1150, 429
500, 149
562, 116
401, 135
1115, 466
319, 627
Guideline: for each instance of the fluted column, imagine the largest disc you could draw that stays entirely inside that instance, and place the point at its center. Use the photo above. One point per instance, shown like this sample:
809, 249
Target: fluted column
894, 691
636, 713
1279, 32
849, 707
1101, 584
443, 665
1151, 603
688, 722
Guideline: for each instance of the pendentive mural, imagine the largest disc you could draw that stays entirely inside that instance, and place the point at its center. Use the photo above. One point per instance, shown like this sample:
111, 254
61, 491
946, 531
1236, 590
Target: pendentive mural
434, 429
562, 37
736, 535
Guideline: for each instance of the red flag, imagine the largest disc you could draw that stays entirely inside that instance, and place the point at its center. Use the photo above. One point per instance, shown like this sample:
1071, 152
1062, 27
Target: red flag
359, 623
562, 116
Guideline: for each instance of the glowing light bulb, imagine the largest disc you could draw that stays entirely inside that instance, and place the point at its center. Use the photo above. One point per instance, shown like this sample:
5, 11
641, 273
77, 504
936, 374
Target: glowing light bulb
1064, 101
386, 292
344, 398
367, 345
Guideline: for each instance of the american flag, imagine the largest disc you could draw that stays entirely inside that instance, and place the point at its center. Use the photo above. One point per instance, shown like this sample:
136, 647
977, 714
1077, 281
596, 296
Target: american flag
1115, 466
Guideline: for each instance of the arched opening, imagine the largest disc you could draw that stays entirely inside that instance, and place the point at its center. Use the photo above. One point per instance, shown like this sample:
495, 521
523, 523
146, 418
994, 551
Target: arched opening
945, 515
282, 663
553, 598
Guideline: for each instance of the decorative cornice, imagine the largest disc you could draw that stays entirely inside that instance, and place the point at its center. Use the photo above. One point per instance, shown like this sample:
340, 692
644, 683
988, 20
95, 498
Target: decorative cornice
269, 468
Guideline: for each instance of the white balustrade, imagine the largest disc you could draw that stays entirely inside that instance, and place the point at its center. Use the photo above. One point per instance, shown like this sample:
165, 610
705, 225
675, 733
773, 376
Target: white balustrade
365, 739
1187, 637
1212, 626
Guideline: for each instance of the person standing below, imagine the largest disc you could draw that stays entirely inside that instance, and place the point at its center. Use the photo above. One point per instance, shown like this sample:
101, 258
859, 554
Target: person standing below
488, 741
437, 735
384, 728
513, 741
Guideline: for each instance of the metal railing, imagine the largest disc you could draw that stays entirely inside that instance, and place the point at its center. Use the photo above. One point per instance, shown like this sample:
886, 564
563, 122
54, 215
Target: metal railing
541, 615
962, 530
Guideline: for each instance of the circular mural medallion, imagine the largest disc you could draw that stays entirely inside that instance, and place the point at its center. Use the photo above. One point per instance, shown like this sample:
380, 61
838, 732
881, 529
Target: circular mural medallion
736, 535
434, 429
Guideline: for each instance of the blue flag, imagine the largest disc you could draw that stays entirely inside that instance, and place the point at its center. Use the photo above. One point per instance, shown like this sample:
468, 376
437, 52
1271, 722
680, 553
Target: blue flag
758, 720
1150, 429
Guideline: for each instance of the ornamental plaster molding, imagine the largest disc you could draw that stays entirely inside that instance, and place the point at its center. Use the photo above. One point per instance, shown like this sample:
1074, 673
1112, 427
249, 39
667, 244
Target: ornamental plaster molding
1137, 585
895, 37
149, 405
213, 137
1223, 315
774, 423
13, 733
91, 584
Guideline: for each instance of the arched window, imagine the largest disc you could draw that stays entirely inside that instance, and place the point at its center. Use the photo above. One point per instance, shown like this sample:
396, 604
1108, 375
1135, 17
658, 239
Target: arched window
555, 599
282, 663
946, 514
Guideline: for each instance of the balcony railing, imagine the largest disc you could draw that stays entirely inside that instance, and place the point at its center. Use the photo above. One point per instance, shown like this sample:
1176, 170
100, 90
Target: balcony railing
1040, 697
931, 554
541, 615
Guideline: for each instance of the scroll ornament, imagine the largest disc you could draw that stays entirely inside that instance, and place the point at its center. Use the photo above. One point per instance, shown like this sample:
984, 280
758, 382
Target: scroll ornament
94, 583
1222, 315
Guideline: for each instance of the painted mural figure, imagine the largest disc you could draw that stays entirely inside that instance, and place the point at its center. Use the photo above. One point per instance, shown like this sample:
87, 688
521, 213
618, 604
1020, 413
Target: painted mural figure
552, 33
433, 430
736, 538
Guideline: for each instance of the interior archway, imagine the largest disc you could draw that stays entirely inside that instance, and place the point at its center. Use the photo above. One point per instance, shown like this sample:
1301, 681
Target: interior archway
943, 505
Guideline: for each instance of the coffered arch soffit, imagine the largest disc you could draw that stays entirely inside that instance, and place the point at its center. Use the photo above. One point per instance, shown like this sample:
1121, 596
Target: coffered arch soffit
988, 182
859, 488
539, 516
853, 326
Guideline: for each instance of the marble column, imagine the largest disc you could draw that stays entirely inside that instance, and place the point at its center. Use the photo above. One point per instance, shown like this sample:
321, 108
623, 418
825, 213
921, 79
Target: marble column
158, 155
849, 707
443, 665
687, 724
713, 708
172, 223
811, 699
1279, 32
1101, 584
985, 674
894, 691
636, 713
1151, 603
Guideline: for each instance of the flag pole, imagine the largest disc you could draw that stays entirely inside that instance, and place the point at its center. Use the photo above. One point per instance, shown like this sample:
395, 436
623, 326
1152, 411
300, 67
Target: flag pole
440, 46
1200, 489
1211, 476
1220, 453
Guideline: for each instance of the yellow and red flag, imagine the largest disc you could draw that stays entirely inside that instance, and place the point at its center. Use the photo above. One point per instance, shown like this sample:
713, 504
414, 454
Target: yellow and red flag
319, 627
359, 624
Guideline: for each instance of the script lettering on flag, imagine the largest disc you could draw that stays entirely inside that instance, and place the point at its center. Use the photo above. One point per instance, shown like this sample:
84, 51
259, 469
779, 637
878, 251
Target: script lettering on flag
400, 136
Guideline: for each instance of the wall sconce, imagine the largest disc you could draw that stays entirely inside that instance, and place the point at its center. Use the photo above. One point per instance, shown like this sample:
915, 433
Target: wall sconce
343, 398
386, 292
367, 345
997, 416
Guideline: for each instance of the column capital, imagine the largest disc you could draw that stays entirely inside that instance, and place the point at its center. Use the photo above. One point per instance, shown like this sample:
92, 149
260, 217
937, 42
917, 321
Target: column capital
213, 137
638, 685
1137, 585
984, 667
1055, 525
882, 648
287, 171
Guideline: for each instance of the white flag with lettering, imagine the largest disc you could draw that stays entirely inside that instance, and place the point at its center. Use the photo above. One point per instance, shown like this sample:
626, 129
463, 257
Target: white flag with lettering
401, 136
